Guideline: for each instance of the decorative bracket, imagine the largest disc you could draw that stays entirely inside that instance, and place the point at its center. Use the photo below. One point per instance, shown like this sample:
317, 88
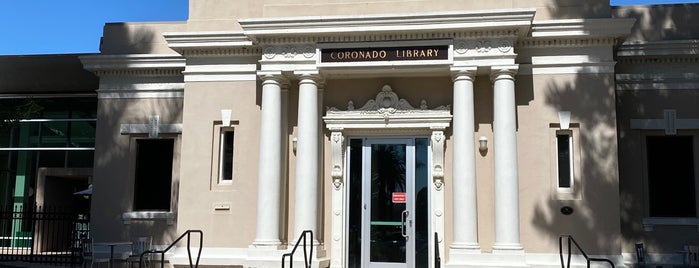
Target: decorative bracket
337, 141
438, 158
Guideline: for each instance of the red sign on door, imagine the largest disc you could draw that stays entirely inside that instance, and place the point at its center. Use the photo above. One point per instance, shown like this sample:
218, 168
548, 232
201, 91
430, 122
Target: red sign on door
398, 197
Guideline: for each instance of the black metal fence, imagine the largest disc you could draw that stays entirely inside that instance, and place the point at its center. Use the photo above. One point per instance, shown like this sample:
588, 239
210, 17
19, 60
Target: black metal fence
42, 234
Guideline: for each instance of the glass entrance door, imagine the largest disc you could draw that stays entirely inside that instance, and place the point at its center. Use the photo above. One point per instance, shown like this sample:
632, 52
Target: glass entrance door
392, 192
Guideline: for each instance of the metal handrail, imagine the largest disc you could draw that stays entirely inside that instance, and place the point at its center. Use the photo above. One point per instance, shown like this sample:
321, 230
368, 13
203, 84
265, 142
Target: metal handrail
437, 259
587, 258
307, 258
189, 251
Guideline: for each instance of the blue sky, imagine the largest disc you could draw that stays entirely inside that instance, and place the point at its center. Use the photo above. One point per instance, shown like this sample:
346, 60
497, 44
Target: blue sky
75, 26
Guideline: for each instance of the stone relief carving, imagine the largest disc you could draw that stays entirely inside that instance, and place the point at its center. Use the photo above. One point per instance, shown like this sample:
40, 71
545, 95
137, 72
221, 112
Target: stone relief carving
438, 159
337, 155
482, 46
288, 52
386, 103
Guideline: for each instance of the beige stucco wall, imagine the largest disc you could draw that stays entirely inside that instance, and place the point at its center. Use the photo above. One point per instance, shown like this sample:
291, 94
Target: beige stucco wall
138, 38
590, 99
114, 170
223, 15
199, 189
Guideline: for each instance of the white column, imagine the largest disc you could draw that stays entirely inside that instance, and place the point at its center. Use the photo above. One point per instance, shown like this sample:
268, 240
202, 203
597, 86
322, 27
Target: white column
465, 219
505, 154
306, 195
269, 167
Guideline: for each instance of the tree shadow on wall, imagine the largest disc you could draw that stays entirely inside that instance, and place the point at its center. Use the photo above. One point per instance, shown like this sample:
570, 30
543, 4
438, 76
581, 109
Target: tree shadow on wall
114, 151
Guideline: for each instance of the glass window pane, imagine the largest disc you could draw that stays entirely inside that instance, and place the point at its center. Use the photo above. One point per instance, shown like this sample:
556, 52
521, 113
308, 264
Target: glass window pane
82, 134
388, 176
53, 134
564, 160
421, 203
80, 159
226, 161
52, 158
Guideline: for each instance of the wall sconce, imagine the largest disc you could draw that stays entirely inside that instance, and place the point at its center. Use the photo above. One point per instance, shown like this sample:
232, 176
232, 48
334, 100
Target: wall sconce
226, 117
564, 119
294, 141
483, 145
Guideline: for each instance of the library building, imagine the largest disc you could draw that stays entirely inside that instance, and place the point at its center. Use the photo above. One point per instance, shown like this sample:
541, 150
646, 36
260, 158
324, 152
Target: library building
382, 133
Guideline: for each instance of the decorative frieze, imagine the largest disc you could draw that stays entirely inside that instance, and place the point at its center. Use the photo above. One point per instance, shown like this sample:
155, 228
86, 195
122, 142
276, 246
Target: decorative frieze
289, 52
483, 47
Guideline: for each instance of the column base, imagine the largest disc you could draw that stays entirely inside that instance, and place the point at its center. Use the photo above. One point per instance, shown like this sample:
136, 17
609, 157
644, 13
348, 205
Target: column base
272, 244
508, 248
499, 260
463, 252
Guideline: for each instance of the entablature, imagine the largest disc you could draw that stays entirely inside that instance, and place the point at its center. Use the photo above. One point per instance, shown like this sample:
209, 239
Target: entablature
393, 26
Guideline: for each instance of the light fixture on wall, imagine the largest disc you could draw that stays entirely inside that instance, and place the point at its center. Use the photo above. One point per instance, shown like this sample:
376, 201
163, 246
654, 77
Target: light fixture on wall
226, 117
564, 119
483, 144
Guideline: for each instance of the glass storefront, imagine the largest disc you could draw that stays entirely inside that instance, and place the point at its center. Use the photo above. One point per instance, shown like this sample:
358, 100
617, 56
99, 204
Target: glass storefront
61, 134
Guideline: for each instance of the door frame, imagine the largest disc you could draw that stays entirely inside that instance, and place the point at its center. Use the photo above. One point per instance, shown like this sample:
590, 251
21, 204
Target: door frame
394, 117
367, 142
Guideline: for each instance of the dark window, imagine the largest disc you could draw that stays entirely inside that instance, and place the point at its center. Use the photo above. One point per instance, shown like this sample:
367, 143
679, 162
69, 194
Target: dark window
671, 176
153, 178
226, 161
565, 161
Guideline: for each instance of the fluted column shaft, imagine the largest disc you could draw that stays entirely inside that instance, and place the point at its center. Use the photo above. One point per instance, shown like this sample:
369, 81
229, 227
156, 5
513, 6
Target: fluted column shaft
306, 195
505, 154
464, 163
269, 170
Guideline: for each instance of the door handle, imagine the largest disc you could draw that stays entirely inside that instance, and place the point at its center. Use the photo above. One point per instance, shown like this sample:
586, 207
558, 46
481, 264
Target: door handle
403, 216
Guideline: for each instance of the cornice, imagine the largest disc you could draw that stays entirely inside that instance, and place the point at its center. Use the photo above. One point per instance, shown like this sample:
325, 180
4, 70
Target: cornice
682, 48
582, 27
214, 43
683, 59
134, 64
657, 81
388, 26
566, 41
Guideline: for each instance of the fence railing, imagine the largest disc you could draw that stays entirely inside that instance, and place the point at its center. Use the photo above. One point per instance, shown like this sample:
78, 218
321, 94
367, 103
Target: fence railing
42, 234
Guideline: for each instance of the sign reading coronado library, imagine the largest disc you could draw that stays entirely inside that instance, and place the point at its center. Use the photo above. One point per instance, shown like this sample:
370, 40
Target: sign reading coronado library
384, 53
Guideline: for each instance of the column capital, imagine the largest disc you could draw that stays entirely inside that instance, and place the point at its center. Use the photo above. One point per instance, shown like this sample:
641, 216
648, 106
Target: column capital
272, 77
503, 71
463, 73
307, 76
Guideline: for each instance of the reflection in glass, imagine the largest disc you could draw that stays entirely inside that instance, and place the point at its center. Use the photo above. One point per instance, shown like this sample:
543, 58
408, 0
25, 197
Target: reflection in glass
388, 162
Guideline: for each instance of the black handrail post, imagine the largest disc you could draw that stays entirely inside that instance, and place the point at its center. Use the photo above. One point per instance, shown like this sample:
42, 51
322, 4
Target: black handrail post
307, 257
437, 258
587, 258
